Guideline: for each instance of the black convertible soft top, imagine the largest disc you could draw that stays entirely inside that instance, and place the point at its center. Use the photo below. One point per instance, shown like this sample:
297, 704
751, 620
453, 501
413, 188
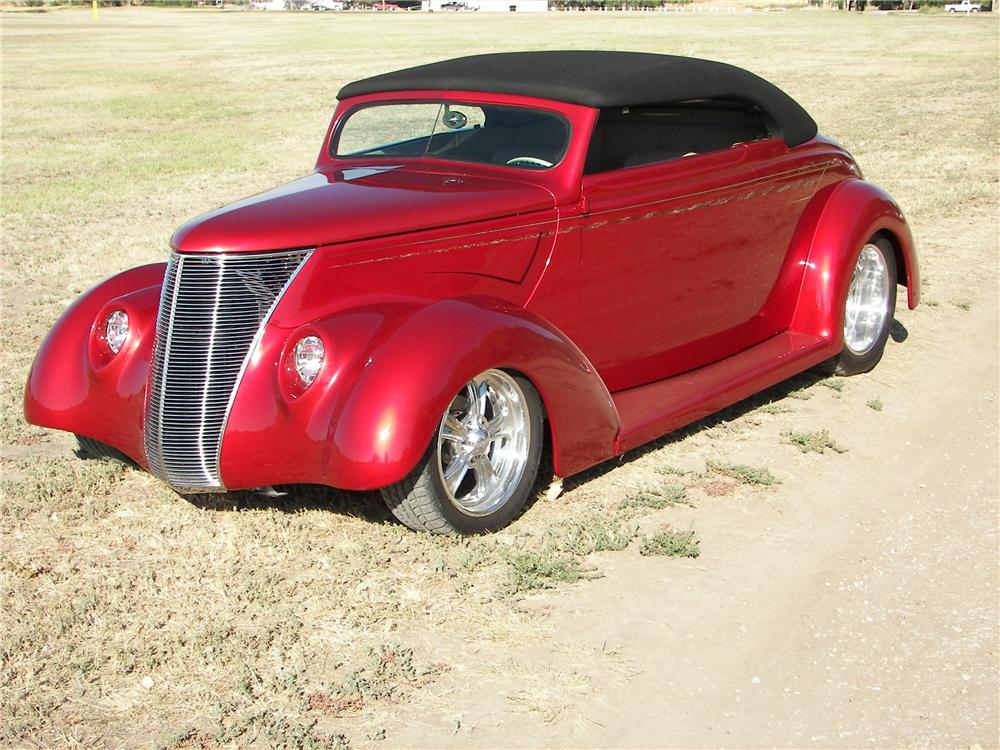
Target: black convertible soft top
599, 79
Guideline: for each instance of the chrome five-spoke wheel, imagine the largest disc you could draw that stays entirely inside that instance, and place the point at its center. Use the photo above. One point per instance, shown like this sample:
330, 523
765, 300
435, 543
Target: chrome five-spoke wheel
483, 441
482, 463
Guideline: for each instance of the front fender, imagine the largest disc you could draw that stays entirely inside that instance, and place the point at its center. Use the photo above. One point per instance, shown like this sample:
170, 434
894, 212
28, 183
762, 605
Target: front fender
74, 386
850, 214
372, 417
394, 410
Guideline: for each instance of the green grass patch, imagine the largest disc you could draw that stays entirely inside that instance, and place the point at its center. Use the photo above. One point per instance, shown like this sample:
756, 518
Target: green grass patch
814, 442
669, 543
875, 404
387, 671
595, 533
744, 474
773, 407
674, 471
657, 498
531, 571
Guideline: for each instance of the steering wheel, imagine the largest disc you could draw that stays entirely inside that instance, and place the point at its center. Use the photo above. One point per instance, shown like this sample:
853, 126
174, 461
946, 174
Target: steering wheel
532, 160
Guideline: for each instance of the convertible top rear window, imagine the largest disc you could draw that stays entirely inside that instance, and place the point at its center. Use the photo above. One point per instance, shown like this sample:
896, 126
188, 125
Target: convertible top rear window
520, 137
632, 136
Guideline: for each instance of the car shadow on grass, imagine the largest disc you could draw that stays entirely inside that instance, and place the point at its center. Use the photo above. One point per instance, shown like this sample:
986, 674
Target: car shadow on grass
783, 390
366, 506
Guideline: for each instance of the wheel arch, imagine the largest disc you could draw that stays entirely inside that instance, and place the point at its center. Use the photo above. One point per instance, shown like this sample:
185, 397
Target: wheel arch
853, 212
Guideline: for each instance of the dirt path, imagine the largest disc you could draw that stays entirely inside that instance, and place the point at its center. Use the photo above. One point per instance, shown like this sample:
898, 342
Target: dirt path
855, 606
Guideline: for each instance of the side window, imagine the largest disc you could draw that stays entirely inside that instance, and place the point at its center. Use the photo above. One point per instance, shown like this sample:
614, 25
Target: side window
630, 137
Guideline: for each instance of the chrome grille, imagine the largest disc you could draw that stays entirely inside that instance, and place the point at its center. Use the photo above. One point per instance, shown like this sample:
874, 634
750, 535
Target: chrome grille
213, 309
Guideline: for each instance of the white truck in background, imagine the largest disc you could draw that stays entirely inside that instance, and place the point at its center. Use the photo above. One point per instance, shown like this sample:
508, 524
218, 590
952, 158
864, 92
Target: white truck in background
966, 6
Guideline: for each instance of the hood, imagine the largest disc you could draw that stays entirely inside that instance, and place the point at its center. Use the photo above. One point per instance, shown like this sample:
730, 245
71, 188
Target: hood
334, 206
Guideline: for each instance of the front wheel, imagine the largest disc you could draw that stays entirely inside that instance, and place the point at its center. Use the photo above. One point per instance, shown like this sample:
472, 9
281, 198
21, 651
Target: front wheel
868, 309
481, 464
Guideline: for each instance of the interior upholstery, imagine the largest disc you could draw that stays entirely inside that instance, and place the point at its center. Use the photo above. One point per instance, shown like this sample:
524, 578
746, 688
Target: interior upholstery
630, 137
506, 134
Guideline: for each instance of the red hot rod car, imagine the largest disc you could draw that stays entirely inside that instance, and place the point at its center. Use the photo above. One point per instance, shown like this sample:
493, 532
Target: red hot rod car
597, 247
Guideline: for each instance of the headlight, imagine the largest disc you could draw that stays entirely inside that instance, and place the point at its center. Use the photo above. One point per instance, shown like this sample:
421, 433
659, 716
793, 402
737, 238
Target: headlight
116, 330
309, 354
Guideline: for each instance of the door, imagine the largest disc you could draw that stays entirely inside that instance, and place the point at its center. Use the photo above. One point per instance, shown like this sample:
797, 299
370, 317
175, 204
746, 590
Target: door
678, 259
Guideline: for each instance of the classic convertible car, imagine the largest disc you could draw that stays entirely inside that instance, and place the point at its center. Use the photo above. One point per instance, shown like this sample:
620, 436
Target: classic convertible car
589, 248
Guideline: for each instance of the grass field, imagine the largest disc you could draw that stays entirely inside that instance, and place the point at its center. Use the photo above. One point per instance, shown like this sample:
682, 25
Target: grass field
132, 617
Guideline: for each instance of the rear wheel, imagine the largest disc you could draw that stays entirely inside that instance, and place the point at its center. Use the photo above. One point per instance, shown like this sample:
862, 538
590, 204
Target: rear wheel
481, 464
868, 309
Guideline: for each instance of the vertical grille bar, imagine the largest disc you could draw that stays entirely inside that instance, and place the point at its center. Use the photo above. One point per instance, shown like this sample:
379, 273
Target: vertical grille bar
213, 309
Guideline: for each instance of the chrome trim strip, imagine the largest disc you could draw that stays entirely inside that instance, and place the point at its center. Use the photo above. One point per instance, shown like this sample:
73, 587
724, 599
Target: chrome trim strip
173, 265
166, 361
213, 331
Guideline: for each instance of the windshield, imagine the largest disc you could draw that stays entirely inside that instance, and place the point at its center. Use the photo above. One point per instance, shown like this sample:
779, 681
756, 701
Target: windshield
481, 133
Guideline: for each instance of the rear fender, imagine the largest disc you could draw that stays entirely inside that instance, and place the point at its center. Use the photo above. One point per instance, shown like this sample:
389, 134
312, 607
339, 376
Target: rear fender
76, 385
392, 412
848, 215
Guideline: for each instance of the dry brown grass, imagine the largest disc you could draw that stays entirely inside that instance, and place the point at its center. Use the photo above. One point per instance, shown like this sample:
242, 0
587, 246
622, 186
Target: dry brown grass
133, 617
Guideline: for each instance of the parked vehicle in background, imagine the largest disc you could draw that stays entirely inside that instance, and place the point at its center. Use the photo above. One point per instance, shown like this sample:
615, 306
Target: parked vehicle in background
585, 249
963, 7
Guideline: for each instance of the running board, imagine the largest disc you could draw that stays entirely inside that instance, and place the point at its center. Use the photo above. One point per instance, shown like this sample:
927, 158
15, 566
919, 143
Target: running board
649, 411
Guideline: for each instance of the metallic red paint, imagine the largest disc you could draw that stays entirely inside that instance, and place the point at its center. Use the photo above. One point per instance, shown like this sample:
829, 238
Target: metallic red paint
711, 233
337, 206
849, 213
563, 181
688, 284
69, 388
657, 408
393, 371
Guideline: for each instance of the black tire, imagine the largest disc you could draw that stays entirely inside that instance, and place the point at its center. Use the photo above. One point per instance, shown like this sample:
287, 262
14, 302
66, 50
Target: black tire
94, 450
421, 501
849, 362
